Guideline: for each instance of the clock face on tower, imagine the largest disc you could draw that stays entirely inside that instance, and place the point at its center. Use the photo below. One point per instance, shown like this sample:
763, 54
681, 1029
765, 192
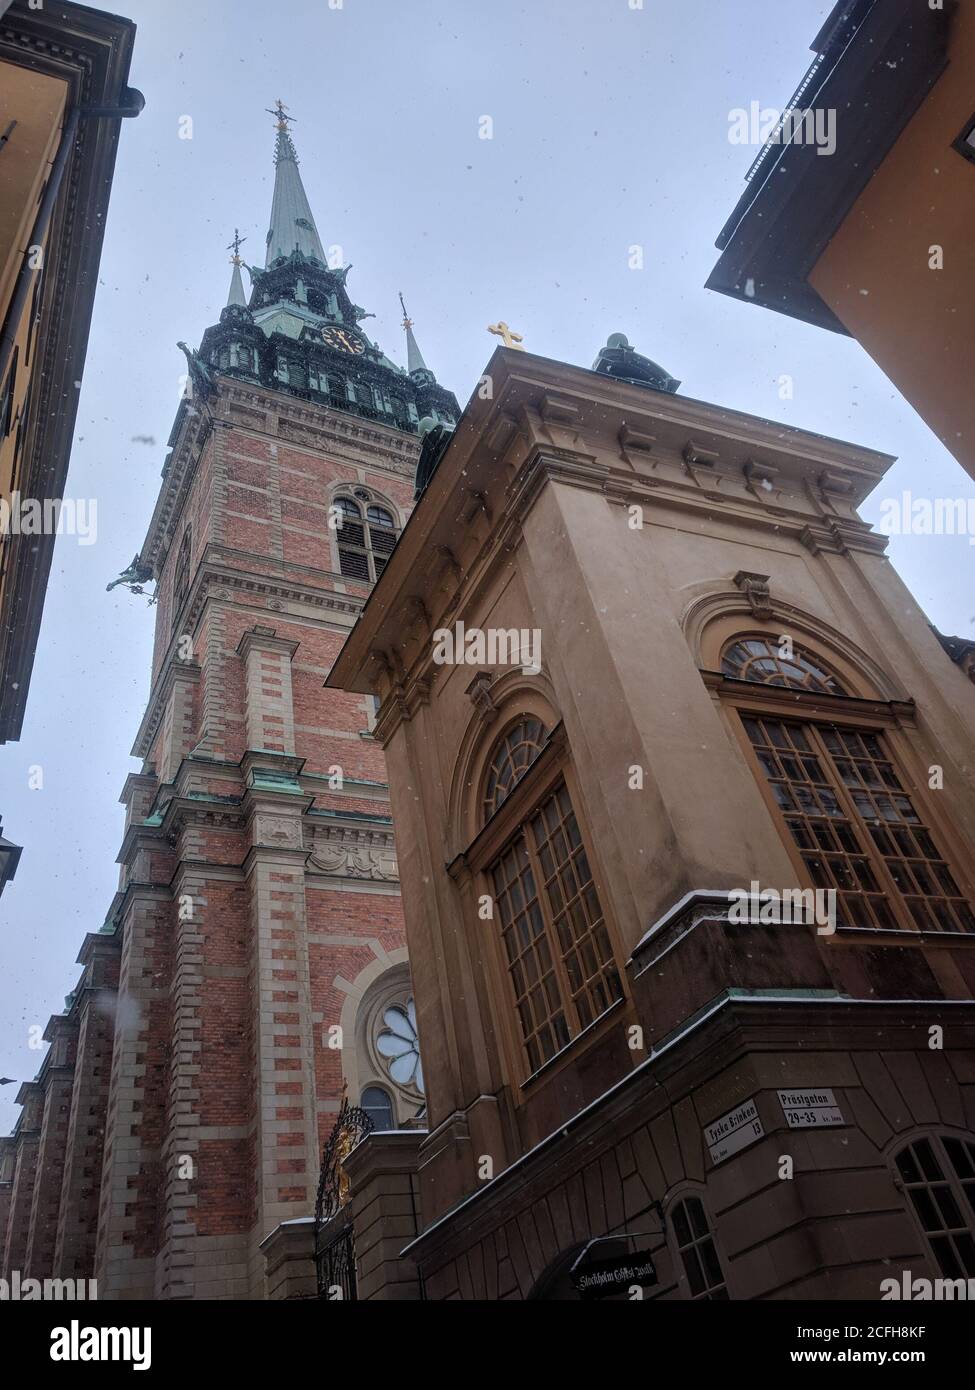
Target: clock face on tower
345, 339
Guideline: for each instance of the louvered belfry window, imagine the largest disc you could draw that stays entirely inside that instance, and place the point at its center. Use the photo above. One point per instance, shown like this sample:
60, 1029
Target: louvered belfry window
382, 536
365, 542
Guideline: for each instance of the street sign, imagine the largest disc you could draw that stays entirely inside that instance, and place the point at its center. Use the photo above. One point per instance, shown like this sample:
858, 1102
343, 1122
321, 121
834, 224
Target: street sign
734, 1131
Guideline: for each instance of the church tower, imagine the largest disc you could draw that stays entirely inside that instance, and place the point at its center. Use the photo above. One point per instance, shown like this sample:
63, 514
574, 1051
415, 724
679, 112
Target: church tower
253, 961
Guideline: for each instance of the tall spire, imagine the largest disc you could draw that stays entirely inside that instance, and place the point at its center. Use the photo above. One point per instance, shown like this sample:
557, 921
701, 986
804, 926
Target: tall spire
292, 224
414, 357
236, 295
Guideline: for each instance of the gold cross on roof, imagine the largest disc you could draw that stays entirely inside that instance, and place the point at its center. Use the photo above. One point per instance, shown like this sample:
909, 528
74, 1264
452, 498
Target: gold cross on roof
508, 336
235, 246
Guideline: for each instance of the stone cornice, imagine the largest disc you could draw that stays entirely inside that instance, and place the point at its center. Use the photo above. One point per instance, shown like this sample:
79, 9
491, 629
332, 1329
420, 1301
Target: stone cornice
889, 711
411, 671
550, 421
183, 811
192, 431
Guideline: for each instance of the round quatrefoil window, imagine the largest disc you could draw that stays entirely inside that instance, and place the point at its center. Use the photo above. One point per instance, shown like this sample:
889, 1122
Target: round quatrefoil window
398, 1044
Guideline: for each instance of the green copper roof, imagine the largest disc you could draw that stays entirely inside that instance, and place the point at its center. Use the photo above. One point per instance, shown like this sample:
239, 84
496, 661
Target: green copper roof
237, 295
292, 224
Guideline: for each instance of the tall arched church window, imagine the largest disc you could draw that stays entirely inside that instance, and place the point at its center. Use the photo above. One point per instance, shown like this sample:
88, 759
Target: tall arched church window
937, 1173
513, 755
365, 545
555, 942
378, 1105
181, 574
760, 659
842, 801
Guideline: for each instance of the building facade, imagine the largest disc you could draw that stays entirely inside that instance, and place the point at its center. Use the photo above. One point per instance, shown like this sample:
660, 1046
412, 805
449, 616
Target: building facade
646, 678
871, 238
63, 96
252, 968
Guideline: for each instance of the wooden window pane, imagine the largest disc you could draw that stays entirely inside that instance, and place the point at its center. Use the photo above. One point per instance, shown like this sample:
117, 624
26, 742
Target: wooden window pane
931, 1170
864, 847
759, 659
558, 951
513, 756
697, 1250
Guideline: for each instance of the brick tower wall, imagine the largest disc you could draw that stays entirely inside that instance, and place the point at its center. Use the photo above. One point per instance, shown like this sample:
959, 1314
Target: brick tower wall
253, 893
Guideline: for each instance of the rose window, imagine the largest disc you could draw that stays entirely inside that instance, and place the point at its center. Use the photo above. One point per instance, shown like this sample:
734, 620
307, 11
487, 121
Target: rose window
399, 1045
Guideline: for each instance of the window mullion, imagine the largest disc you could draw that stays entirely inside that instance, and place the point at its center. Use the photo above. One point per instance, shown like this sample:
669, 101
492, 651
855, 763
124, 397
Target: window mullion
891, 892
544, 907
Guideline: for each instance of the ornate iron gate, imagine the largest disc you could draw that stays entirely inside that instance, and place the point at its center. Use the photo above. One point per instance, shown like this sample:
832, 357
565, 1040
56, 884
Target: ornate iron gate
335, 1250
335, 1267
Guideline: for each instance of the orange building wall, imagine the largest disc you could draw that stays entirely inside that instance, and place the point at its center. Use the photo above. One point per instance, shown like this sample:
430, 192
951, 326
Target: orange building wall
916, 322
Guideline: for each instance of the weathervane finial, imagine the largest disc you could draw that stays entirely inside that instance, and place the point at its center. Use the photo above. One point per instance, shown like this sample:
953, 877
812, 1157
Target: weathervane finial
281, 112
407, 321
235, 246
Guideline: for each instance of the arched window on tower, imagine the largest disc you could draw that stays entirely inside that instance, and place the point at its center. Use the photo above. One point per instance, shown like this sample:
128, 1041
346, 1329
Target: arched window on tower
378, 1105
365, 545
840, 795
382, 536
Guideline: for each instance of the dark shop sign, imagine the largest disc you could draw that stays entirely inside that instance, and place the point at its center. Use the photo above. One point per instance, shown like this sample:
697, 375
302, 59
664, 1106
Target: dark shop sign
599, 1276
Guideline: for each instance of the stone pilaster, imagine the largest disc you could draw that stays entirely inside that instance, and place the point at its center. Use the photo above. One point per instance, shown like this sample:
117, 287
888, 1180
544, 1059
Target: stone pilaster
213, 697
8, 1163
270, 709
289, 1260
287, 1131
57, 1078
178, 726
27, 1139
385, 1212
74, 1251
128, 1214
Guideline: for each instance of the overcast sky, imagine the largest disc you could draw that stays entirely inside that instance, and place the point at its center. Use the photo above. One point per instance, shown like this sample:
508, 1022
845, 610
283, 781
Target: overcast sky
610, 129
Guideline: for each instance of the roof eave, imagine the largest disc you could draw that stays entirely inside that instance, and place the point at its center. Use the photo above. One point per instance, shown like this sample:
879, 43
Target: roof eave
779, 229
